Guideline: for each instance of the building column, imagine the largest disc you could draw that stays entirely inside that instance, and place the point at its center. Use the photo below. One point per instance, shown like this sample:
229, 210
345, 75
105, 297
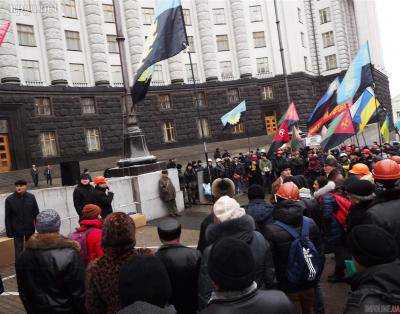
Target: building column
207, 40
97, 41
176, 69
341, 36
8, 51
54, 44
241, 40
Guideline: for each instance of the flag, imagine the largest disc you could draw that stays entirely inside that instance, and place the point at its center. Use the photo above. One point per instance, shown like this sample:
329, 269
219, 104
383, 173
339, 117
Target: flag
325, 104
296, 141
166, 38
290, 115
385, 130
364, 108
326, 118
281, 137
3, 31
340, 129
233, 116
358, 76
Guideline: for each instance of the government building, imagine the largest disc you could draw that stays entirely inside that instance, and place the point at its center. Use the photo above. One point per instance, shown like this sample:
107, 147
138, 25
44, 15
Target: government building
61, 75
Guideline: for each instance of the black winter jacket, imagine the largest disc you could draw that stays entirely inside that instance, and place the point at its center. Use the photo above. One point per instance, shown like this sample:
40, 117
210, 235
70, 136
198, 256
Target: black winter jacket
202, 244
254, 302
83, 195
20, 214
261, 212
103, 201
183, 265
290, 213
51, 275
242, 228
378, 285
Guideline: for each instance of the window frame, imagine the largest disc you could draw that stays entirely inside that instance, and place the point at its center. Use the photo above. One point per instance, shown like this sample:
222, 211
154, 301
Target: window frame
50, 107
37, 68
326, 62
227, 48
187, 18
206, 126
161, 103
107, 12
299, 15
165, 131
239, 128
84, 72
233, 99
325, 39
215, 10
267, 92
253, 17
112, 67
83, 105
230, 75
191, 44
74, 7
258, 65
143, 9
42, 146
305, 59
108, 43
87, 131
255, 39
30, 35
203, 99
325, 15
67, 39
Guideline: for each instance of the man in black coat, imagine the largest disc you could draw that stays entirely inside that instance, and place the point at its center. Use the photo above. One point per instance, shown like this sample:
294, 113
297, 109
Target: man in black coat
103, 197
376, 282
50, 272
232, 270
83, 194
21, 210
182, 264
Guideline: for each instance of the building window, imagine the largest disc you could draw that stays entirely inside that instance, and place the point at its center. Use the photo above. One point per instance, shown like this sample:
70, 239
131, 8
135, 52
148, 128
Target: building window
186, 17
256, 13
203, 122
325, 15
22, 6
191, 44
398, 114
73, 41
77, 73
164, 101
30, 71
226, 70
238, 128
262, 65
299, 16
88, 105
108, 11
331, 62
200, 100
219, 16
148, 16
233, 95
112, 44
328, 39
48, 143
69, 9
222, 43
305, 63
303, 39
169, 132
116, 74
157, 76
43, 106
93, 140
267, 92
26, 35
259, 39
189, 72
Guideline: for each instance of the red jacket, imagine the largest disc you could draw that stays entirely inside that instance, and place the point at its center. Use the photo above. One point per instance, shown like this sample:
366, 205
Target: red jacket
93, 238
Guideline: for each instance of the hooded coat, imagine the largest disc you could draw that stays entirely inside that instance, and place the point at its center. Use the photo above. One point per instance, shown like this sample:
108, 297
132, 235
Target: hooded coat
83, 195
242, 228
166, 189
260, 211
51, 275
93, 238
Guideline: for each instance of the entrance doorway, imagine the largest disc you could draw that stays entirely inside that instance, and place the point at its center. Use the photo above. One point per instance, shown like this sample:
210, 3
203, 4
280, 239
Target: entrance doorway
270, 124
5, 156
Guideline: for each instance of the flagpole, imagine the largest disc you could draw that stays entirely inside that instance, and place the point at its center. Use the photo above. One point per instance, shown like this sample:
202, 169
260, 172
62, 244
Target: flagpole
247, 132
362, 134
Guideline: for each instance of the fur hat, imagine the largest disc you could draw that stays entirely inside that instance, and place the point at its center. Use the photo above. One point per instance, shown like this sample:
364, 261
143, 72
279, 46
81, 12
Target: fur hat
118, 230
48, 221
227, 208
221, 187
91, 211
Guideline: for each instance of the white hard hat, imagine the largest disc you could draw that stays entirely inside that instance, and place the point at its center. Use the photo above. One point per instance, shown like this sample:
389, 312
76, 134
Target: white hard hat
343, 155
218, 160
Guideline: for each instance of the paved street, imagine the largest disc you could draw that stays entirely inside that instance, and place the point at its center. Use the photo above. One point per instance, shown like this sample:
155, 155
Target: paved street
335, 295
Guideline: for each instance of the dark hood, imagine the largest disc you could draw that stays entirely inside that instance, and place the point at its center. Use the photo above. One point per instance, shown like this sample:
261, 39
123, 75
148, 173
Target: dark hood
386, 195
289, 212
260, 211
240, 228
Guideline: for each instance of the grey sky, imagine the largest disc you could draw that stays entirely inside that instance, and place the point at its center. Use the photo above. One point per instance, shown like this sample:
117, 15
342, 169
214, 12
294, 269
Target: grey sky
389, 25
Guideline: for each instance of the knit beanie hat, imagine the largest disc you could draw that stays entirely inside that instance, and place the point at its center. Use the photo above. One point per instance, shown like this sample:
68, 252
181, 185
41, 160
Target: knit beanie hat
256, 192
48, 221
91, 211
371, 245
169, 229
231, 264
118, 230
361, 189
144, 278
227, 208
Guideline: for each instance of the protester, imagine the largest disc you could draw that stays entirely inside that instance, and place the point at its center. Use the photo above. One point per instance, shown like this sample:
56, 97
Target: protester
35, 175
362, 172
232, 269
376, 283
50, 272
230, 220
167, 193
258, 208
217, 154
297, 164
238, 172
171, 163
103, 196
102, 278
48, 175
279, 164
265, 166
191, 183
367, 158
182, 264
21, 210
86, 173
83, 194
285, 173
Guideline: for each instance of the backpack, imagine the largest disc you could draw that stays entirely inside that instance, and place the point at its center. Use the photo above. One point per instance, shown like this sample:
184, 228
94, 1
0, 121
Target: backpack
305, 263
80, 237
343, 208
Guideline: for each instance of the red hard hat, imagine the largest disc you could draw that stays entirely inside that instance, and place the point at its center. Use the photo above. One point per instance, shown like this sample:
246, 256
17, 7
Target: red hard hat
288, 191
366, 151
386, 169
396, 159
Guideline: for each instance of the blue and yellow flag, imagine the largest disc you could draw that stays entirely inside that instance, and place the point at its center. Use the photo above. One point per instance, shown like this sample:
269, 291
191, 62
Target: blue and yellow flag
364, 108
385, 130
358, 76
166, 38
233, 116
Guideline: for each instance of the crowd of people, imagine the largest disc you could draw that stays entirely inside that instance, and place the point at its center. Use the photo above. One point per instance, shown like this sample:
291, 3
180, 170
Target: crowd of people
267, 256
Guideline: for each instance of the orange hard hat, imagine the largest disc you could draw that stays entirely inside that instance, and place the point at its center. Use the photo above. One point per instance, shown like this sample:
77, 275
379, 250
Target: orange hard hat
288, 191
99, 180
386, 169
360, 169
396, 159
